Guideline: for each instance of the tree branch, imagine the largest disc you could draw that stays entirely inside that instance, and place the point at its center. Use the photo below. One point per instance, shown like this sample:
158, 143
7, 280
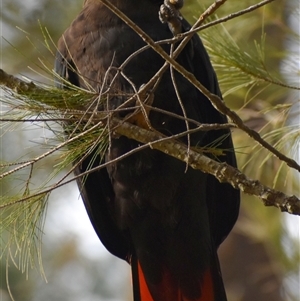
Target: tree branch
170, 146
222, 171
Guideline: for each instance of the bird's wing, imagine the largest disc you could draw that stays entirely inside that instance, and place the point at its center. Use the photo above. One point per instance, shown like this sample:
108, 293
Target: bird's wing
223, 201
95, 189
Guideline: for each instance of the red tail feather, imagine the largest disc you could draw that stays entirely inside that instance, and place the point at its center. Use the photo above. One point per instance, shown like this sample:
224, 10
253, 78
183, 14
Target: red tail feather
168, 289
207, 287
145, 294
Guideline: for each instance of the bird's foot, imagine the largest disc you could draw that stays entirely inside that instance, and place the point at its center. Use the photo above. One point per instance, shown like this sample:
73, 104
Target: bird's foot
169, 13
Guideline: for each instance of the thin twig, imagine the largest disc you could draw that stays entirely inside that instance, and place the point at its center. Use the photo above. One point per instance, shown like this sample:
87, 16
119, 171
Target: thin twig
51, 151
180, 102
197, 26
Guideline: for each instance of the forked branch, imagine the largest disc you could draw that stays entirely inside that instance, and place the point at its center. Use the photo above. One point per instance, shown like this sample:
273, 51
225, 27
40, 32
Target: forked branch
215, 100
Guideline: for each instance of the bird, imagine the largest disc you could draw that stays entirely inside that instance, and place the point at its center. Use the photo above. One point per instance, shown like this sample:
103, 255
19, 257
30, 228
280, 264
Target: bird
167, 220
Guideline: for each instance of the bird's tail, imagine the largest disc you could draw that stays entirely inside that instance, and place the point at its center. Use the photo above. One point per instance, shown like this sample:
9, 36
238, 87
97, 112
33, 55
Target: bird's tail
168, 289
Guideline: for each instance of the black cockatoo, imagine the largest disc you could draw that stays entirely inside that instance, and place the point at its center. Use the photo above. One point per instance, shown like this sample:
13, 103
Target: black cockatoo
149, 209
